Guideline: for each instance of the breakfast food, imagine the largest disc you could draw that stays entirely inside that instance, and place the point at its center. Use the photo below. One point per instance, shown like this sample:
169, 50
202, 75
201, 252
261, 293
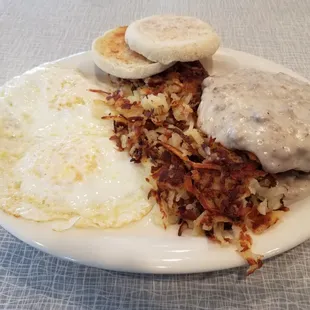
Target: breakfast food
220, 155
196, 181
56, 159
261, 112
111, 54
216, 145
169, 38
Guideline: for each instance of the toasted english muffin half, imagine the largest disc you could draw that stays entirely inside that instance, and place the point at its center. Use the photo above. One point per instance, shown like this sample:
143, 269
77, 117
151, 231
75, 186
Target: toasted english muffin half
170, 38
112, 55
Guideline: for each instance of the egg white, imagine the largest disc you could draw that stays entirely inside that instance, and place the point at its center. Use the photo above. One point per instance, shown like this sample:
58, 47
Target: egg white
56, 159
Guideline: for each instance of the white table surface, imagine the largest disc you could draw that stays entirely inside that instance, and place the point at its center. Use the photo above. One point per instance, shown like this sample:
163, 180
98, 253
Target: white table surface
34, 31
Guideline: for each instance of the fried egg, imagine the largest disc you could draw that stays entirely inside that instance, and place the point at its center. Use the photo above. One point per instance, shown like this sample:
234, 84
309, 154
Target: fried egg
56, 159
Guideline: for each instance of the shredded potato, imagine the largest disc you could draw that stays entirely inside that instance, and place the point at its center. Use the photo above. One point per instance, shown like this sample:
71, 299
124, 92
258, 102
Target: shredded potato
195, 181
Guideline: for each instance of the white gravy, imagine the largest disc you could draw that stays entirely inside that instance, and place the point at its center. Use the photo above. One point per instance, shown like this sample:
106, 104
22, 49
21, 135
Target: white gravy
261, 112
298, 185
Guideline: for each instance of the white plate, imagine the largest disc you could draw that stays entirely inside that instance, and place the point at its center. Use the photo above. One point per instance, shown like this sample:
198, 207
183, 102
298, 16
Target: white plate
143, 247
